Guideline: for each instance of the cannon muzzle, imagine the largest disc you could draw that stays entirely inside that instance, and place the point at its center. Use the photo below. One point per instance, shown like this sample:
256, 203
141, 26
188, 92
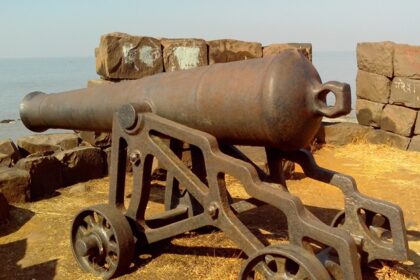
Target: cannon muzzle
276, 101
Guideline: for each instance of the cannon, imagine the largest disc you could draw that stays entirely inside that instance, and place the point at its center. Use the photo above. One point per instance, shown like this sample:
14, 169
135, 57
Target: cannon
277, 103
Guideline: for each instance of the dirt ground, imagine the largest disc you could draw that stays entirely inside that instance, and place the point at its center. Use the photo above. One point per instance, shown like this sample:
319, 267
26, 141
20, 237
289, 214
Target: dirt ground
35, 243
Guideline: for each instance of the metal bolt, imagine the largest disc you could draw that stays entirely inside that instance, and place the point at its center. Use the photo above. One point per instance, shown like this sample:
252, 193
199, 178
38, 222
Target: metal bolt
213, 210
135, 157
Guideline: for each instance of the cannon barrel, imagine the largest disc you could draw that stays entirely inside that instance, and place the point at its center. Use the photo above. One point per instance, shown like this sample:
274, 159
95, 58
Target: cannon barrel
276, 101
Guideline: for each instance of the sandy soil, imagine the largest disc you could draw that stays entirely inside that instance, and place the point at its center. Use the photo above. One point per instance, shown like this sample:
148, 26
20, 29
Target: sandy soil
35, 244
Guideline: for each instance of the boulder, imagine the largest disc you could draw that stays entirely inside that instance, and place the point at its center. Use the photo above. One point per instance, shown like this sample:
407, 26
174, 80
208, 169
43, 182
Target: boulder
398, 119
407, 61
4, 209
341, 133
378, 136
414, 144
81, 164
122, 56
405, 92
372, 87
417, 126
96, 139
273, 49
9, 153
376, 57
369, 113
227, 50
183, 54
46, 175
14, 184
47, 142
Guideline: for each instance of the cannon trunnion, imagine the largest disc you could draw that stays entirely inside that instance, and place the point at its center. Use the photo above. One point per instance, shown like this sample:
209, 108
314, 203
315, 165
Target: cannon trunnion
275, 102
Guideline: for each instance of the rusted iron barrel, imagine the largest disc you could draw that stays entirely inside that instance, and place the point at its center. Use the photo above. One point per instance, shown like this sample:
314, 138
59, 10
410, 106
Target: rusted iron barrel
276, 101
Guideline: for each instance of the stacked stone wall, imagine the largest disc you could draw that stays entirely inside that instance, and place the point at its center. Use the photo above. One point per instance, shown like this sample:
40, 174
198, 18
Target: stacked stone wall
388, 90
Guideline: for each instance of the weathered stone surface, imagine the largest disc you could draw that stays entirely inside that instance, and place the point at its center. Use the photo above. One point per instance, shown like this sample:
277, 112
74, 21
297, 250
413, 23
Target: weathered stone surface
407, 61
47, 142
97, 139
341, 133
368, 113
128, 165
417, 126
415, 144
14, 184
4, 209
100, 82
227, 50
122, 56
377, 136
81, 164
398, 119
183, 54
9, 154
376, 57
304, 48
46, 175
405, 92
372, 87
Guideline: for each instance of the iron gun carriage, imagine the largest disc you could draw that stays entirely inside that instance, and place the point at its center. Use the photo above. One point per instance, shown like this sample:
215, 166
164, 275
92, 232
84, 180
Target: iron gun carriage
277, 103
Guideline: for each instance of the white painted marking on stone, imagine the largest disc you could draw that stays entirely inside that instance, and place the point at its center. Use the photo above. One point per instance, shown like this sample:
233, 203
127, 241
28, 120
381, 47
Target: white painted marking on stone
187, 57
148, 55
128, 53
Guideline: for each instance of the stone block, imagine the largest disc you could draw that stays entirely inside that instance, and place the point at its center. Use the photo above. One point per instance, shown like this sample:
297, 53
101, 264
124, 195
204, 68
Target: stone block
273, 49
417, 126
14, 184
372, 87
228, 50
376, 57
407, 61
46, 175
47, 142
369, 113
96, 139
100, 82
415, 144
341, 133
184, 54
122, 56
398, 119
81, 164
377, 136
405, 92
4, 209
9, 153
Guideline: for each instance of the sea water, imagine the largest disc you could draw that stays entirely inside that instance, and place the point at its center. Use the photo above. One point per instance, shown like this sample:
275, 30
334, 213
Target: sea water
19, 76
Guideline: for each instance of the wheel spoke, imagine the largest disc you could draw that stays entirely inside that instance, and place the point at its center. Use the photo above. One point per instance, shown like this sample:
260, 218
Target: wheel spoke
112, 247
89, 220
302, 274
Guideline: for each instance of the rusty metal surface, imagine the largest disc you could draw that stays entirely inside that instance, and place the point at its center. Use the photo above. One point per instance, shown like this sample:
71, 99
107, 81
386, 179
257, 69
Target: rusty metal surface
275, 101
258, 102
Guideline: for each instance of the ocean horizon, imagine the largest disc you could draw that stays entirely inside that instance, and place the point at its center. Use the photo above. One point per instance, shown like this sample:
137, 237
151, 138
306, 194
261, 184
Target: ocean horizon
20, 76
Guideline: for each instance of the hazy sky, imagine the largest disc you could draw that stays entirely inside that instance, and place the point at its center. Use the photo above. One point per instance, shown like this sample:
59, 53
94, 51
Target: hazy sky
44, 28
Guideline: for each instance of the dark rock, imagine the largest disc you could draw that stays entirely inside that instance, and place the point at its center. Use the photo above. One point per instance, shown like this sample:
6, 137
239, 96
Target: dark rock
47, 142
417, 126
128, 165
415, 144
7, 121
405, 92
376, 58
368, 113
304, 48
183, 54
398, 119
407, 61
96, 139
372, 87
46, 175
14, 184
123, 56
9, 154
4, 209
377, 136
81, 164
341, 133
228, 50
